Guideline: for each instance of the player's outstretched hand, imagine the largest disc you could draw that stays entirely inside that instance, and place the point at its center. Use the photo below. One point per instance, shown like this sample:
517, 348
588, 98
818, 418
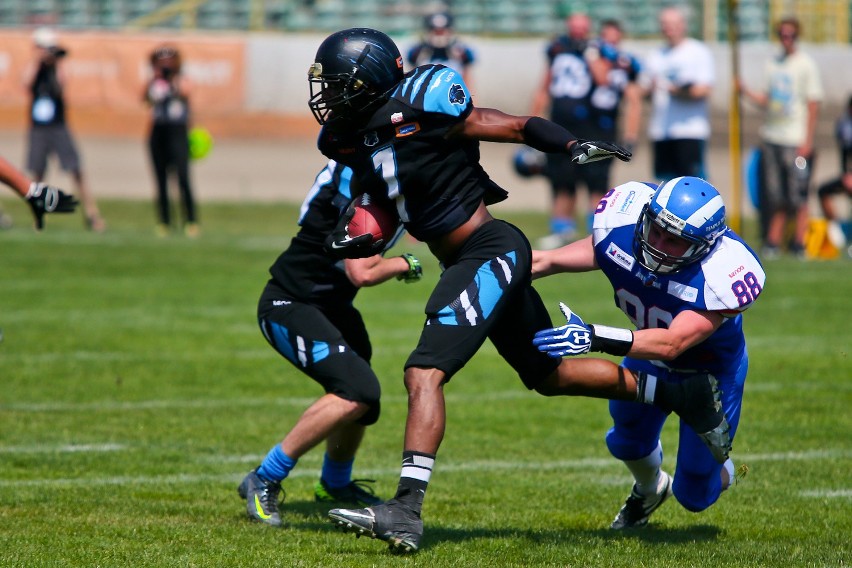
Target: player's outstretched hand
573, 338
586, 151
340, 244
415, 270
44, 198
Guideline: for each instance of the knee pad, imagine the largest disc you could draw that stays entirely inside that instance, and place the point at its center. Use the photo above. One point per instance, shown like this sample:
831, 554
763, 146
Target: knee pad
351, 378
696, 493
628, 449
372, 415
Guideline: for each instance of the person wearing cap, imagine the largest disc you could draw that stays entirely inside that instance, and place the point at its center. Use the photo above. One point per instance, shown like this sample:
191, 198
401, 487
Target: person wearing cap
440, 44
48, 132
167, 93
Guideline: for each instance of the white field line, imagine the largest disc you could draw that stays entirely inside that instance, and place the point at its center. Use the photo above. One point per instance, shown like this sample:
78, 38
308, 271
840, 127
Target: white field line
67, 448
467, 467
109, 406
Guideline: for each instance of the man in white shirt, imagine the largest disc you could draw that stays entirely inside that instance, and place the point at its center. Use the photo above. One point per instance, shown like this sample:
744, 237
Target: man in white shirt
791, 97
679, 76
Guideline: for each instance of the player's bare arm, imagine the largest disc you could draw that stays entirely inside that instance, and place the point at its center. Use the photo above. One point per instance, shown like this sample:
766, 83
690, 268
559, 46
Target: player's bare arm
492, 125
578, 256
688, 328
373, 270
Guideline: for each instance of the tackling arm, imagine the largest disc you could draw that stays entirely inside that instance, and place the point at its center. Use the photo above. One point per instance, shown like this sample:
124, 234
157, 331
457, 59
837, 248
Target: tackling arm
578, 256
688, 328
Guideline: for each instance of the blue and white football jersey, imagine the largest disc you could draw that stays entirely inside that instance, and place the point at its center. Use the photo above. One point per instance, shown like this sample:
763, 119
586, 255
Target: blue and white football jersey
728, 280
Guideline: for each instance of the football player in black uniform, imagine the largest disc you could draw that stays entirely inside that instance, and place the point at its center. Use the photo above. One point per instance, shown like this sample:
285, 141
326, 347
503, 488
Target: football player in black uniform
306, 314
414, 139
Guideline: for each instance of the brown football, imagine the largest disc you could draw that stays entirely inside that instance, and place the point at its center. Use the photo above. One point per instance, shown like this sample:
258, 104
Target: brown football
375, 217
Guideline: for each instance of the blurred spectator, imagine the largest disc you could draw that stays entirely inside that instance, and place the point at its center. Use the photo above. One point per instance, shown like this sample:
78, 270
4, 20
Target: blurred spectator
679, 77
48, 132
167, 92
615, 74
841, 185
791, 96
566, 90
440, 44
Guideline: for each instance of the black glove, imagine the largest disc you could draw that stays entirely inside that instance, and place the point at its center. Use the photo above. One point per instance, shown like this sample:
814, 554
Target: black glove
47, 199
340, 245
586, 151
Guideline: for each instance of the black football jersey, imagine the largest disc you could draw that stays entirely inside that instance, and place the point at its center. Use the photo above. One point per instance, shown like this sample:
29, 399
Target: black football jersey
403, 153
305, 272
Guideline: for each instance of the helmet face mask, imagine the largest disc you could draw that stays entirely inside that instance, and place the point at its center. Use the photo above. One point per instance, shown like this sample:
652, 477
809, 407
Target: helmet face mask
353, 73
688, 208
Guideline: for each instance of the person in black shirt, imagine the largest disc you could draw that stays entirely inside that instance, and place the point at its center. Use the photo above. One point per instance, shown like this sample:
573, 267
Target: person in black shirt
49, 132
306, 314
440, 44
168, 140
414, 139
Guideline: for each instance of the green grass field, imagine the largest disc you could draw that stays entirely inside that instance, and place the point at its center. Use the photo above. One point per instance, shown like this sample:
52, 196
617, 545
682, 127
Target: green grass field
136, 390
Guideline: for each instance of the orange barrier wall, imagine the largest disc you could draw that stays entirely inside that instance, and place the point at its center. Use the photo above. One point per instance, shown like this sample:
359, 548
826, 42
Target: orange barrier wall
106, 73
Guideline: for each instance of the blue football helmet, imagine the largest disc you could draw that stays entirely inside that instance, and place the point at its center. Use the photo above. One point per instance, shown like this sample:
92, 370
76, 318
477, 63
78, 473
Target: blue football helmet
687, 207
353, 72
529, 162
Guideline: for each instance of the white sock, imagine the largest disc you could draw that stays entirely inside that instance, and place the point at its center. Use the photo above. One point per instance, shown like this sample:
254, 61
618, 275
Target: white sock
646, 471
732, 472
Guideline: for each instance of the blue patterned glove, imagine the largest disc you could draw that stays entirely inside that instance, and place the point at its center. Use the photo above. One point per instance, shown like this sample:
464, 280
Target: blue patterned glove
573, 338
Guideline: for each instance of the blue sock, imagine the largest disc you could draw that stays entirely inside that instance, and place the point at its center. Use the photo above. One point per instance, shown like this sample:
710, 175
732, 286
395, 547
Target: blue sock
336, 474
559, 225
276, 465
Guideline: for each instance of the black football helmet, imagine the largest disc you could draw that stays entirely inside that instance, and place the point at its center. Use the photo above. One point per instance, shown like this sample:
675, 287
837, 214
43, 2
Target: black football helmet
353, 72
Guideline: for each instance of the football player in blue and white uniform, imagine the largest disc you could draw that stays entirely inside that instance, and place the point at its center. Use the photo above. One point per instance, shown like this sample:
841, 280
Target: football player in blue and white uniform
683, 279
306, 314
414, 139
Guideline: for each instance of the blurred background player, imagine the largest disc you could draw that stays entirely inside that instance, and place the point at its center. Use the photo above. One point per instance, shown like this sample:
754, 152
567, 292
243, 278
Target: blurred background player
791, 97
440, 44
615, 72
564, 94
41, 197
167, 92
306, 314
841, 185
48, 129
684, 279
679, 77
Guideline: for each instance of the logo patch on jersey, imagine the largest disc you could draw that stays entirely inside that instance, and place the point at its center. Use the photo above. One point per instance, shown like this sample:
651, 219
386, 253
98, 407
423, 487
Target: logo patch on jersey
457, 94
683, 292
628, 202
407, 129
371, 139
396, 118
618, 256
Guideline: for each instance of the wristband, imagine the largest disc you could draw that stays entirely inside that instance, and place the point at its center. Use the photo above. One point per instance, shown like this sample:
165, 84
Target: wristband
547, 136
612, 340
